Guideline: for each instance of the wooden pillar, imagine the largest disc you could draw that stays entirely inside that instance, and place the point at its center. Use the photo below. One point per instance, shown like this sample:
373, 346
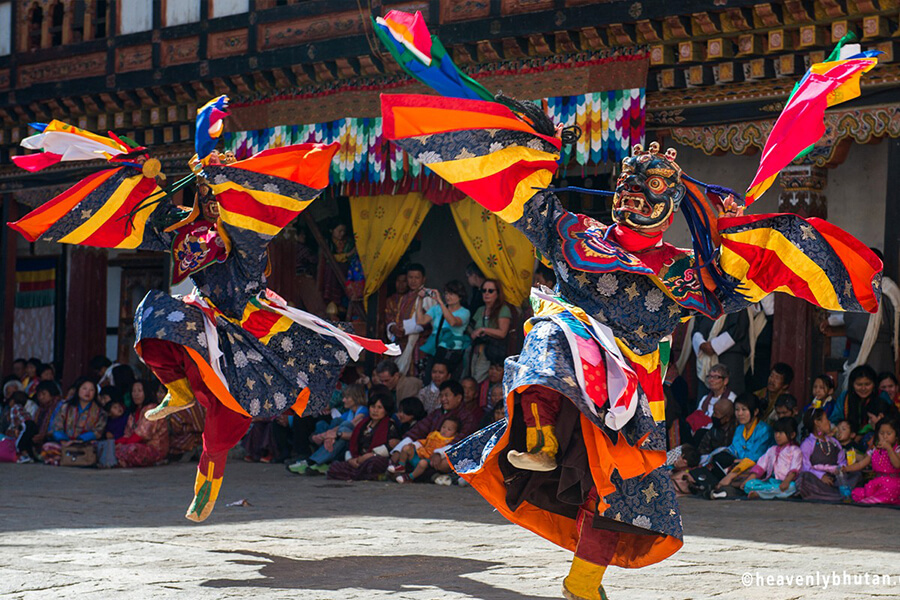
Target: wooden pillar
85, 311
795, 336
8, 298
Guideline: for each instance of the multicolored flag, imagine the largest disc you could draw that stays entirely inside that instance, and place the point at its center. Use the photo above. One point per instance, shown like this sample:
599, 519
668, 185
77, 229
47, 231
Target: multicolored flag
801, 123
423, 56
61, 142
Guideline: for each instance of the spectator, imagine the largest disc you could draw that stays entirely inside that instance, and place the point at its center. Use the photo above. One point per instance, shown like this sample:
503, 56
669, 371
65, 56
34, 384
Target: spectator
47, 373
370, 443
751, 440
21, 426
721, 432
99, 365
123, 379
495, 403
877, 409
494, 380
844, 433
544, 276
403, 329
681, 460
470, 390
392, 304
145, 443
823, 394
823, 459
414, 458
331, 284
79, 419
774, 474
259, 443
786, 407
19, 368
851, 404
724, 341
448, 320
116, 419
332, 437
451, 406
49, 403
700, 420
388, 374
780, 378
475, 278
885, 462
410, 412
440, 372
491, 325
30, 381
887, 384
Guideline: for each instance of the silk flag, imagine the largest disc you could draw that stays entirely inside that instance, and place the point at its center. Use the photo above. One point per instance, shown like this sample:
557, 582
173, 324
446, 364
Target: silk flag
801, 123
423, 56
61, 142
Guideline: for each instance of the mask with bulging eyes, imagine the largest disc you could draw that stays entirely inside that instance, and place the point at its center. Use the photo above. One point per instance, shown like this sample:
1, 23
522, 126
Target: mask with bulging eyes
649, 190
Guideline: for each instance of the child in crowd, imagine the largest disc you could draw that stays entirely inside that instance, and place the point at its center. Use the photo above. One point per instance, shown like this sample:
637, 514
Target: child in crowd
116, 417
21, 425
823, 457
774, 474
410, 412
885, 461
823, 394
877, 409
418, 455
494, 379
681, 460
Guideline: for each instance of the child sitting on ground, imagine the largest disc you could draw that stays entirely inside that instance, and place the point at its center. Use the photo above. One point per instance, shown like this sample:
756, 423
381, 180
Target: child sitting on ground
419, 454
681, 460
885, 461
116, 418
410, 412
773, 475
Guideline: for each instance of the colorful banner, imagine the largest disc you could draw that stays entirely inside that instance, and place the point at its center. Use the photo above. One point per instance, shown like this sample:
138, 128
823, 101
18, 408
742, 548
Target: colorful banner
611, 123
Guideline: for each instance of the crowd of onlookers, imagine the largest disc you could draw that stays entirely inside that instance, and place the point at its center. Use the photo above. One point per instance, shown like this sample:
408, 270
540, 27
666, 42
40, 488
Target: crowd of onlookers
725, 440
837, 446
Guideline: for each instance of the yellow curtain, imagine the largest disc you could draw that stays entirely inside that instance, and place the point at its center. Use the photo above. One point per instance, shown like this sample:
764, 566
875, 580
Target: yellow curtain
500, 250
384, 226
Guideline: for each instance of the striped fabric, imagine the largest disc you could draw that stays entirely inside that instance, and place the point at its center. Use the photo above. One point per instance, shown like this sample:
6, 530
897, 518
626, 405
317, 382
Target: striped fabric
35, 282
611, 122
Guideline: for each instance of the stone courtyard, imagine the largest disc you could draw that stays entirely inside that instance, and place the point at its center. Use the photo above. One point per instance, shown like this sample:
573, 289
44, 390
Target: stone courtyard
73, 533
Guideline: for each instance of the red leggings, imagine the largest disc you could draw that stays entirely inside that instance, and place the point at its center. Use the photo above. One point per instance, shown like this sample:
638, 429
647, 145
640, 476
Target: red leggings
224, 428
545, 401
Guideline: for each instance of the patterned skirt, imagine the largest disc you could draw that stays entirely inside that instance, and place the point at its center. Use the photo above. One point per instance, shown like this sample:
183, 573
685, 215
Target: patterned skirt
265, 360
642, 509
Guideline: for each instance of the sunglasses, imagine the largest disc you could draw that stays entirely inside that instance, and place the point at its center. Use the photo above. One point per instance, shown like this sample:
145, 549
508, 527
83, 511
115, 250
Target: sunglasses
488, 290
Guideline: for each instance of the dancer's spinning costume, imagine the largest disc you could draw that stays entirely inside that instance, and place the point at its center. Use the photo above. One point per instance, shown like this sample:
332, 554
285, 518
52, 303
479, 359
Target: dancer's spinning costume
232, 344
586, 391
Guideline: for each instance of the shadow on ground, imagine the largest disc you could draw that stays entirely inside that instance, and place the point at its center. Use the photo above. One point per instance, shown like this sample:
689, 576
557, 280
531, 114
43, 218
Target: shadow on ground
384, 573
72, 499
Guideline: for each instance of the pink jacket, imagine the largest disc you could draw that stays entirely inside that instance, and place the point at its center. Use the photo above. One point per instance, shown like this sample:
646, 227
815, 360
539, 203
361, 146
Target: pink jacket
779, 462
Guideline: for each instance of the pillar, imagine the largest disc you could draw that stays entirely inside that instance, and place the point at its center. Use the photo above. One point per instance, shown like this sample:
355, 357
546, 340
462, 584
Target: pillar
795, 335
85, 311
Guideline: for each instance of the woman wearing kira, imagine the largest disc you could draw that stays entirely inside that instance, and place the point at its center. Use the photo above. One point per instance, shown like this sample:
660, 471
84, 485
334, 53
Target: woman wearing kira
232, 345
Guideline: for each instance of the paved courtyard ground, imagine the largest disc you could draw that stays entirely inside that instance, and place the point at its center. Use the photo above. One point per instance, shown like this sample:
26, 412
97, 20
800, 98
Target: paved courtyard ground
70, 533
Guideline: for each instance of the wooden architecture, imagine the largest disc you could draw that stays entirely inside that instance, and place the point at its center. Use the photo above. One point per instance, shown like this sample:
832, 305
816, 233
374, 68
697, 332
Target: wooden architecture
717, 74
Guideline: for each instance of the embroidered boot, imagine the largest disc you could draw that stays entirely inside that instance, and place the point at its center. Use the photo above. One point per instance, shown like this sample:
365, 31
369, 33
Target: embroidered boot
206, 491
180, 397
542, 448
584, 581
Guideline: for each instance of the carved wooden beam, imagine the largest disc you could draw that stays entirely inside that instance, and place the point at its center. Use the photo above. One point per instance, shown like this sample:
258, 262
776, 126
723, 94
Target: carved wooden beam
718, 48
487, 52
537, 44
462, 55
704, 23
514, 48
676, 28
830, 9
185, 93
148, 96
281, 79
737, 19
798, 11
167, 94
112, 101
749, 44
243, 87
767, 15
591, 37
346, 69
661, 55
303, 78
623, 34
810, 36
369, 66
649, 31
324, 72
874, 26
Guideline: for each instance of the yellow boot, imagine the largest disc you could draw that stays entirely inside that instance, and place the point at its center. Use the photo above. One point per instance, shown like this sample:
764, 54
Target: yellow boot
180, 397
542, 448
584, 581
206, 491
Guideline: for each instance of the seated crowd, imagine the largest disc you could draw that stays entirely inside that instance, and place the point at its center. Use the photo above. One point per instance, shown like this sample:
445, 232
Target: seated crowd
766, 445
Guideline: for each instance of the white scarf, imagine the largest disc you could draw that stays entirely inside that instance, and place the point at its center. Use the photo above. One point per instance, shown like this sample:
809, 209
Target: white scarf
705, 361
889, 289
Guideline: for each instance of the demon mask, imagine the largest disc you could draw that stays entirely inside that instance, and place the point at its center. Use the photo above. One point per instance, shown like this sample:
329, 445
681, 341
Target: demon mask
648, 191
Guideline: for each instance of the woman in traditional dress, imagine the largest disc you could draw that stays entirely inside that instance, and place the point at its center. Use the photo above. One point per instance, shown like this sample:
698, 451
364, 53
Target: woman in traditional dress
145, 442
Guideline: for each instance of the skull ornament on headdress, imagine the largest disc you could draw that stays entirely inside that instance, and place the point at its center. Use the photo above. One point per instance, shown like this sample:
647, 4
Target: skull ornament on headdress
649, 190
